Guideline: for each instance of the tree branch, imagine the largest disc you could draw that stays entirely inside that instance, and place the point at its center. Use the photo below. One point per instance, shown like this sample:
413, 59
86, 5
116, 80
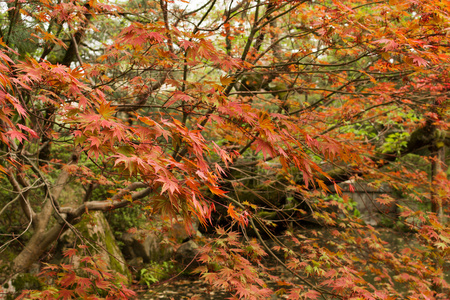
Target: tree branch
116, 201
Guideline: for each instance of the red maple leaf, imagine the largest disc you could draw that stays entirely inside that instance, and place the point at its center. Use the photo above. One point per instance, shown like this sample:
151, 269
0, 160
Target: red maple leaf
14, 134
419, 61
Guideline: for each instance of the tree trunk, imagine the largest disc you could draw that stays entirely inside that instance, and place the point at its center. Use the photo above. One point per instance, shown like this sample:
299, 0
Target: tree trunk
36, 247
437, 167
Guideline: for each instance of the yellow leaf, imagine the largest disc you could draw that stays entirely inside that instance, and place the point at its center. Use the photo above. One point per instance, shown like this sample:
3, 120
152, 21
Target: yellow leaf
224, 80
232, 213
246, 203
385, 55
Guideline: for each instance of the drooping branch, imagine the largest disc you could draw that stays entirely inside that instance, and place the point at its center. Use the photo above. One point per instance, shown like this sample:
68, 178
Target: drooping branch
251, 219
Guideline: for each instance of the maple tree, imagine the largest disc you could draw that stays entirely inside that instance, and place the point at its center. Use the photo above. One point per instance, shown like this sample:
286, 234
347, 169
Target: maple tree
250, 110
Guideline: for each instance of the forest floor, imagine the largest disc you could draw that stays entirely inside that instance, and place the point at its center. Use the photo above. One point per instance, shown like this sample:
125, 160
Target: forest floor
187, 288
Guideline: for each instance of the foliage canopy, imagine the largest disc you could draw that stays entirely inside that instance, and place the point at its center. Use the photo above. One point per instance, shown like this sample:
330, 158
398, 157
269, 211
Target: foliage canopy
253, 111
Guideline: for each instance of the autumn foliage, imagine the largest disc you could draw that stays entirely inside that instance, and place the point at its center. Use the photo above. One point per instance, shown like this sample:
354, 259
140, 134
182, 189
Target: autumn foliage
257, 118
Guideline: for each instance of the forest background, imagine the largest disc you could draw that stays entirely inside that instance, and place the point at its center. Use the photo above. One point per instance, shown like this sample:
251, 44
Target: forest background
258, 117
